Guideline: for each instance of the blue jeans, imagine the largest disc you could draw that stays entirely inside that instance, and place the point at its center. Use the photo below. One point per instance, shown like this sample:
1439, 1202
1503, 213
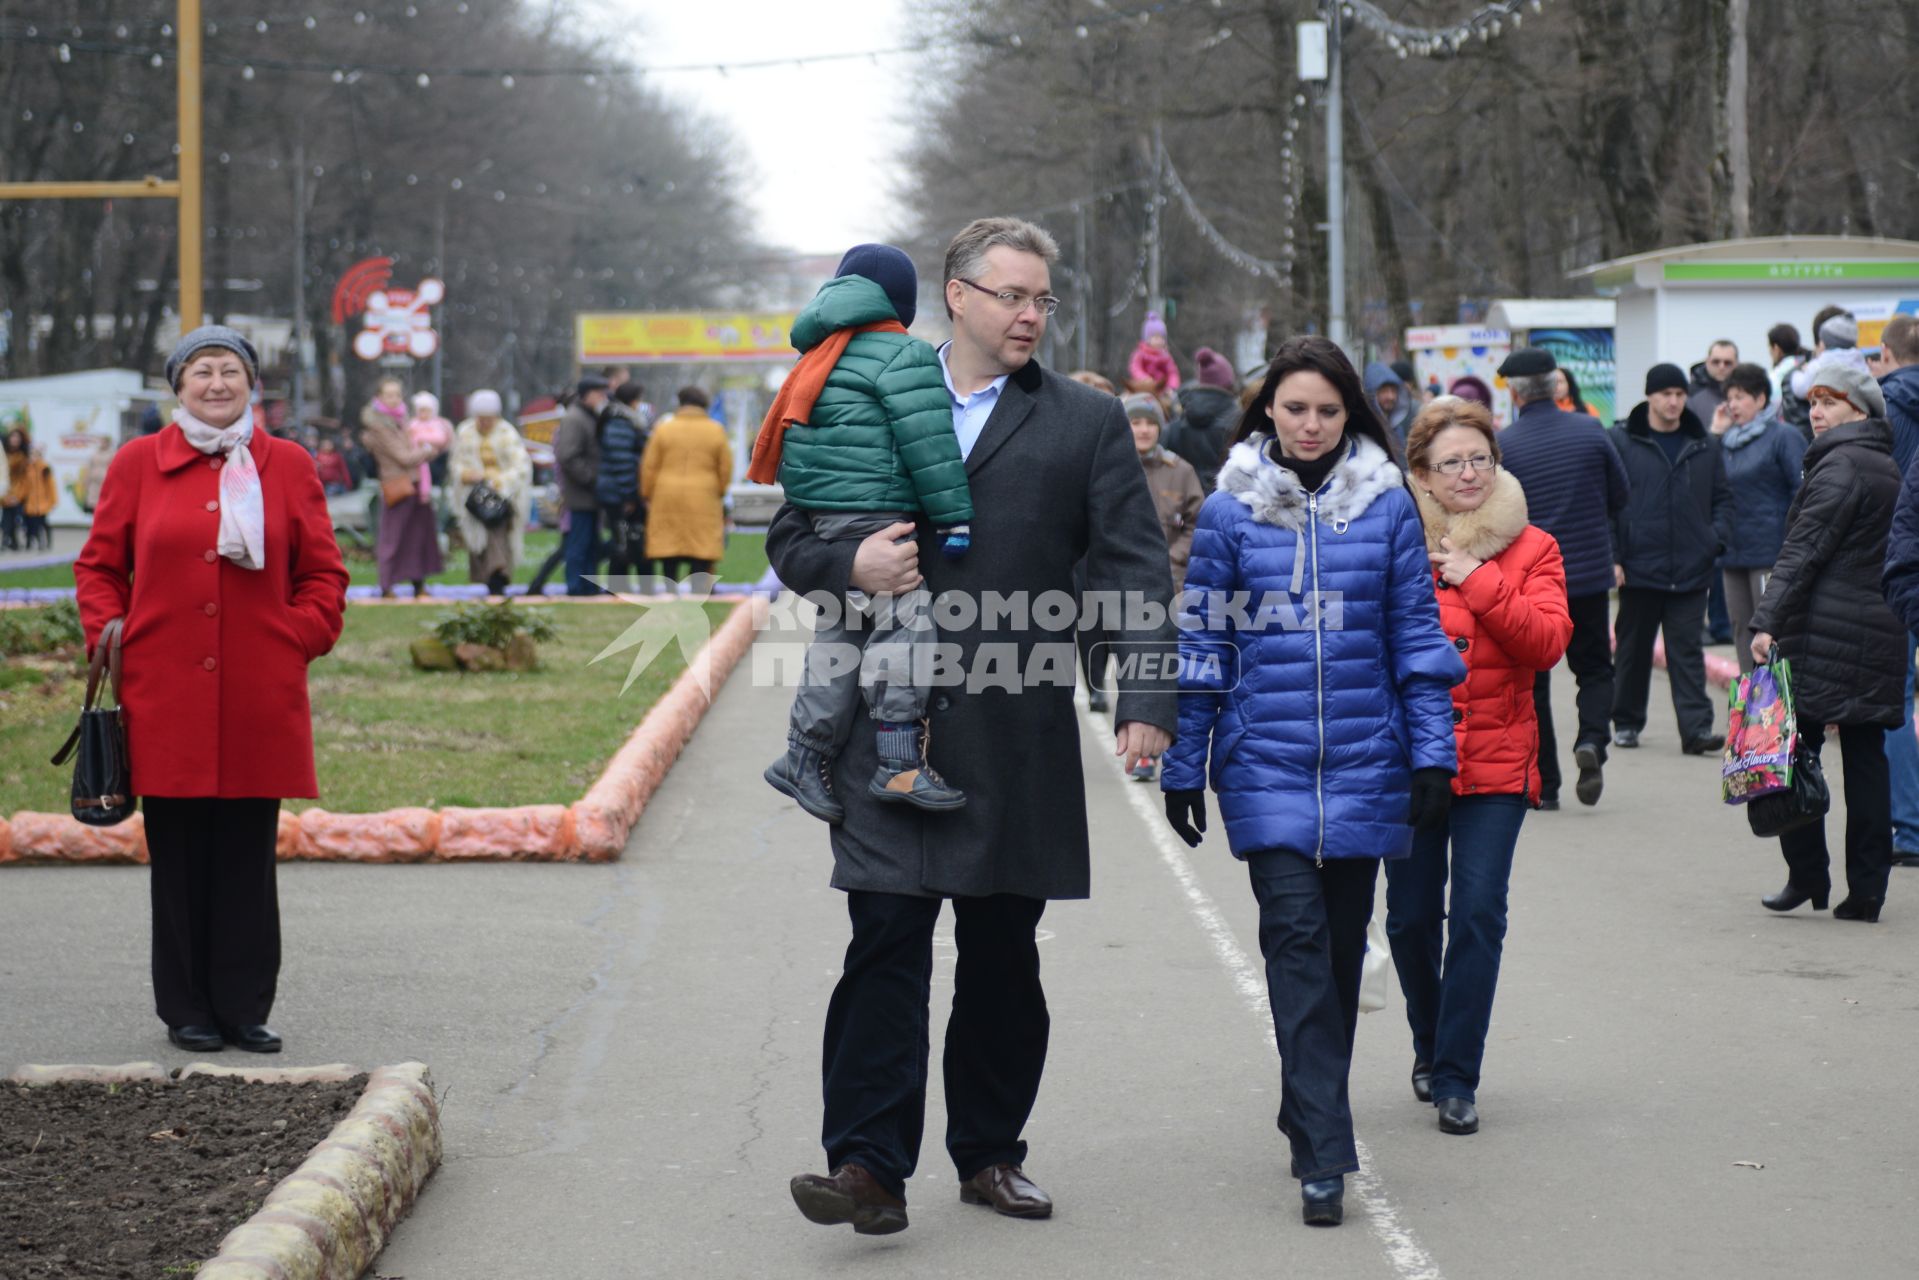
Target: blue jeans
1902, 755
1450, 1008
580, 549
1312, 933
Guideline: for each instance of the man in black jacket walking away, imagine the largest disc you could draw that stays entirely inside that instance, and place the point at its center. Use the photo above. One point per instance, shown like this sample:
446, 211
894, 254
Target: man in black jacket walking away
1666, 539
1564, 463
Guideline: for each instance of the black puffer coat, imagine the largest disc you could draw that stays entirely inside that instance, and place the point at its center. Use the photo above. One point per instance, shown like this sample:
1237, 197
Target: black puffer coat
1823, 604
1199, 434
1678, 515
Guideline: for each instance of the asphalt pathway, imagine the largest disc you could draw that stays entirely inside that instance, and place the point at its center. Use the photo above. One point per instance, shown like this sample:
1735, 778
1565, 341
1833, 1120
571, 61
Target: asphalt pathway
628, 1054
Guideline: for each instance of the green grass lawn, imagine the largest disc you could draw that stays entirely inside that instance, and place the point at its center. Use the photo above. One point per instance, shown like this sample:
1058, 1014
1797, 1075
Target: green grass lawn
387, 735
745, 561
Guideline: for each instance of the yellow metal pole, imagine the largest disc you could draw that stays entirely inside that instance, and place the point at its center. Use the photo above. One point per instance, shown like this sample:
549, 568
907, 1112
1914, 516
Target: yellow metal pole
143, 187
192, 233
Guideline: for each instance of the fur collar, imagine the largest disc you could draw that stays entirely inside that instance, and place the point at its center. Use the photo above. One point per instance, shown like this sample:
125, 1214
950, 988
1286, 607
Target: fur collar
1483, 532
1274, 495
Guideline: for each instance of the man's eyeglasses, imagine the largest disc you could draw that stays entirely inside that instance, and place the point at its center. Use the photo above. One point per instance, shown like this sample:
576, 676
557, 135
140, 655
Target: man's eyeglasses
1046, 303
1481, 463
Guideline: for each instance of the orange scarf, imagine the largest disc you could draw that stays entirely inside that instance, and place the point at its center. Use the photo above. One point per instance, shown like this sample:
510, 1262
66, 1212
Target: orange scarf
799, 393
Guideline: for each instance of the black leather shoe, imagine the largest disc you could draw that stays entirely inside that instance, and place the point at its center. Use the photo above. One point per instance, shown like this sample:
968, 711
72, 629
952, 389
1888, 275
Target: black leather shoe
1321, 1204
1007, 1188
1591, 780
196, 1039
1711, 744
1457, 1115
1628, 738
850, 1195
1423, 1081
1905, 858
1866, 909
257, 1038
1790, 898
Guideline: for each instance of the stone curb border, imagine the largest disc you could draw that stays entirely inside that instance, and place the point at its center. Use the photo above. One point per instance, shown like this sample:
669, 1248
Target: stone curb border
592, 829
330, 1217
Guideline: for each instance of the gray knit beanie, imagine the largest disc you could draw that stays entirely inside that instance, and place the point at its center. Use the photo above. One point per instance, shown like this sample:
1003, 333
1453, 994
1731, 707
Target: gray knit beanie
1852, 382
209, 337
1140, 405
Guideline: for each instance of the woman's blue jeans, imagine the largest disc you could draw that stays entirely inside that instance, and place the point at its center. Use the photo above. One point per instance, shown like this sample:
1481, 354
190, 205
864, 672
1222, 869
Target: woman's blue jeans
1450, 1006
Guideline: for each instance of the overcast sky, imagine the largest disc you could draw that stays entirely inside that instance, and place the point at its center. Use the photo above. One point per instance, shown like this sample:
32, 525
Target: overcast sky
794, 122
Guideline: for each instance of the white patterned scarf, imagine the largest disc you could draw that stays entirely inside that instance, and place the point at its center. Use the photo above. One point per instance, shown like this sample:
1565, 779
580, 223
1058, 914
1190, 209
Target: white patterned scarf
243, 523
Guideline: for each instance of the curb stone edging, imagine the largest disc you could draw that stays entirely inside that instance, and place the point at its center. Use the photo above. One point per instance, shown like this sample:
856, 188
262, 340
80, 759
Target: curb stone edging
330, 1217
593, 828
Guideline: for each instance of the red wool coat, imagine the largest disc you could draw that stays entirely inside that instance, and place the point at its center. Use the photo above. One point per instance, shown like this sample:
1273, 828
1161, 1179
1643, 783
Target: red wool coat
215, 675
1509, 622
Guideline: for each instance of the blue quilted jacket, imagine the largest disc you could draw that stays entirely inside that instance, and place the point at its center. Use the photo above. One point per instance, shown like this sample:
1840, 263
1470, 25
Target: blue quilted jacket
1308, 719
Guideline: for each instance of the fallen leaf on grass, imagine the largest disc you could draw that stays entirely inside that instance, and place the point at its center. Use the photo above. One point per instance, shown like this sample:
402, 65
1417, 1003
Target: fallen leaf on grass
1747, 1164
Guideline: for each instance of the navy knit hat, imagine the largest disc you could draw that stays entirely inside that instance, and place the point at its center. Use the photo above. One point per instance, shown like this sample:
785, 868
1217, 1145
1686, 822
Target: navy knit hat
891, 270
212, 337
1665, 377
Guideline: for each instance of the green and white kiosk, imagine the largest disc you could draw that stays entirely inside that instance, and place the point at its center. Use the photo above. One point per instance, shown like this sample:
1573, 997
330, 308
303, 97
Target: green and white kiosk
1672, 304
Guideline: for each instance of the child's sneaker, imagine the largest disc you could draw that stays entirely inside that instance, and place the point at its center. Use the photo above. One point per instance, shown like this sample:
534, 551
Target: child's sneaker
1144, 769
904, 777
807, 776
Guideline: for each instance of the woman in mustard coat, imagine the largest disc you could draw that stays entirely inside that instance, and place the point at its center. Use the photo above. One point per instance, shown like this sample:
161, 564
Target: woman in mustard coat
683, 479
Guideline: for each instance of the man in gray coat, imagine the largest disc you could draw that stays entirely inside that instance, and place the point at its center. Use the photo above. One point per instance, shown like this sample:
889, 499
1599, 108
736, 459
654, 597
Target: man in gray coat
576, 455
1054, 478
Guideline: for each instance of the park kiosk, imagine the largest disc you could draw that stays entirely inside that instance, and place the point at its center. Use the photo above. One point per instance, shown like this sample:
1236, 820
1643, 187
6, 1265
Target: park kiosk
1675, 303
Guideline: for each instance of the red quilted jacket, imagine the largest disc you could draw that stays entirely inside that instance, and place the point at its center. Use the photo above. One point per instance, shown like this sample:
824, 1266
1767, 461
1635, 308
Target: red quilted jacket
1508, 620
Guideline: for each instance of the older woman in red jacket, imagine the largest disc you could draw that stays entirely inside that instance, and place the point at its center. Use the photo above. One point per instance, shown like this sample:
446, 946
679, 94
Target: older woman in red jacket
1502, 599
213, 542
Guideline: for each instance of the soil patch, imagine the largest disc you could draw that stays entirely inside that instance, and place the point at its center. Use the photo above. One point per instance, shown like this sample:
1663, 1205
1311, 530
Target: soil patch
142, 1181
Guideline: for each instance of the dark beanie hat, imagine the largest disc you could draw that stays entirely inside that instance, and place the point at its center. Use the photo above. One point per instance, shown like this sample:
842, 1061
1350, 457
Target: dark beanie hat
1664, 377
1215, 370
1404, 368
891, 270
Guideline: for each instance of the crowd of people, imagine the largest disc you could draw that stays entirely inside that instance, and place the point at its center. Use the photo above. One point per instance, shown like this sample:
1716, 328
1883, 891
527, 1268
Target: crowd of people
1467, 556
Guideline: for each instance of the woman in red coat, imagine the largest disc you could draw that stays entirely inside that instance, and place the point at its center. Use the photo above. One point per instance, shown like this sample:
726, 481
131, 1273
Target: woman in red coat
1502, 599
213, 542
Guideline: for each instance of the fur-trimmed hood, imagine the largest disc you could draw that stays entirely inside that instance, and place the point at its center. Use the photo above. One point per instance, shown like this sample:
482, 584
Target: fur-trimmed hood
1274, 495
1483, 532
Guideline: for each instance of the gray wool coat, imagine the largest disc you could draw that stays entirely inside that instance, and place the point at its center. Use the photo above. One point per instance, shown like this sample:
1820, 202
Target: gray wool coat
1055, 478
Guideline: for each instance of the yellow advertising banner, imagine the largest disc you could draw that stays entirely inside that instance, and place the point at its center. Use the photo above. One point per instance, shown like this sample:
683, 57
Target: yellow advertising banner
678, 337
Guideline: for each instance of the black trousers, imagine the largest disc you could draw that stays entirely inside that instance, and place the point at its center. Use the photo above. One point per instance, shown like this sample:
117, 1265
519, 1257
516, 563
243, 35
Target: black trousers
1862, 752
1312, 933
679, 568
216, 910
1681, 617
877, 1046
1589, 658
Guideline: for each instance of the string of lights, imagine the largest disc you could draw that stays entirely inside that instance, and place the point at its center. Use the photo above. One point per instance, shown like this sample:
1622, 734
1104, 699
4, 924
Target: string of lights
74, 39
1486, 23
1226, 249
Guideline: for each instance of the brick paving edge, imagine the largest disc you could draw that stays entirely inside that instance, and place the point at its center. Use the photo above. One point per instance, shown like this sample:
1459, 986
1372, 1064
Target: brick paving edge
593, 828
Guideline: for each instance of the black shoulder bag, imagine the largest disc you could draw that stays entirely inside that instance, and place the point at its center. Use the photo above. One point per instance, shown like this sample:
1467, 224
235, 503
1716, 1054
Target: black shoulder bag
488, 505
102, 783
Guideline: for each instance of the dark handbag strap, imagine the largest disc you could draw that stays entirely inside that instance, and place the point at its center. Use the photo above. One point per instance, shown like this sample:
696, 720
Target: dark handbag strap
104, 661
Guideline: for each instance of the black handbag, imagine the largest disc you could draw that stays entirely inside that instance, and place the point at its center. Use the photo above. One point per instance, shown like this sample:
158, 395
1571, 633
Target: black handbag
102, 782
1805, 801
488, 505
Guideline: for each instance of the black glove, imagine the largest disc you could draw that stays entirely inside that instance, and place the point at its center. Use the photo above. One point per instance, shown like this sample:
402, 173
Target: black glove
1186, 813
1432, 799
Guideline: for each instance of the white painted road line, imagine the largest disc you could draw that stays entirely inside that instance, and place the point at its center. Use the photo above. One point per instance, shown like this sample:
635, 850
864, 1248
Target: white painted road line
1408, 1257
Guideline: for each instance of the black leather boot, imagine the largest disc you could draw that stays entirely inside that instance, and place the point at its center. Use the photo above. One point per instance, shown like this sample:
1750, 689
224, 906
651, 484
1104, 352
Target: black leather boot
805, 774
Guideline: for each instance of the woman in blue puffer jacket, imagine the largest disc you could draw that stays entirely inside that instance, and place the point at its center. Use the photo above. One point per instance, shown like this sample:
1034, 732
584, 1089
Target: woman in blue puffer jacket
1315, 698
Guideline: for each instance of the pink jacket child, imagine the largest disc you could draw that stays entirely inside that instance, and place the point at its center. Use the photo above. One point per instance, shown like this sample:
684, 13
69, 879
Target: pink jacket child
427, 427
1151, 360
